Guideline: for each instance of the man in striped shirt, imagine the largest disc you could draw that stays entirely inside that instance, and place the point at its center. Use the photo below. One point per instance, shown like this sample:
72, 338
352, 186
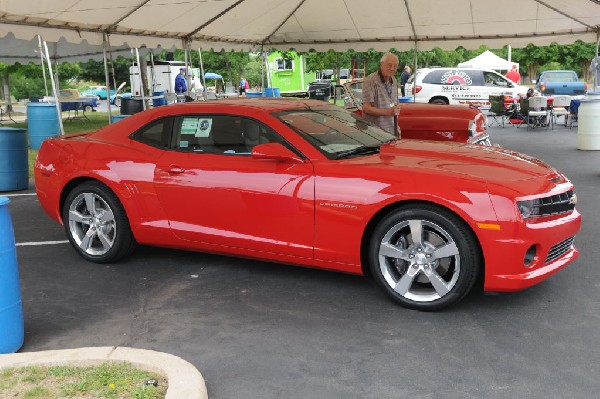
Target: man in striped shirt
380, 95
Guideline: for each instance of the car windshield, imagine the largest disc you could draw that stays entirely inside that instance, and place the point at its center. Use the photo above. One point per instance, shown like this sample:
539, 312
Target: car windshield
334, 131
560, 77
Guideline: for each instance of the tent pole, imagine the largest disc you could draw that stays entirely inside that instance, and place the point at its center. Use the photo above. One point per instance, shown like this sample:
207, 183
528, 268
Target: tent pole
414, 93
106, 76
186, 55
262, 68
202, 73
43, 66
137, 56
54, 90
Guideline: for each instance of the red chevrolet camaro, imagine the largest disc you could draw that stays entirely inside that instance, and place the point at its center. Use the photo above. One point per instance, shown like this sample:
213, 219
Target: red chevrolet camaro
308, 183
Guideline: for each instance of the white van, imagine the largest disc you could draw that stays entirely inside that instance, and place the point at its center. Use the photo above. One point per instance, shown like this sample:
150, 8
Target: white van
460, 86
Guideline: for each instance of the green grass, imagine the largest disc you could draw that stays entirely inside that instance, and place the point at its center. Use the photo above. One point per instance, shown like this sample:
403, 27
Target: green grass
95, 122
107, 380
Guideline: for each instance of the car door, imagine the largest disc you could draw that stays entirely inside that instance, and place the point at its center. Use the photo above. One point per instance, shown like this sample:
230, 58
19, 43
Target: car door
213, 191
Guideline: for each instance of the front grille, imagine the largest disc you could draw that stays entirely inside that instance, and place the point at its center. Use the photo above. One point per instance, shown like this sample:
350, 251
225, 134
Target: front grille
556, 204
559, 249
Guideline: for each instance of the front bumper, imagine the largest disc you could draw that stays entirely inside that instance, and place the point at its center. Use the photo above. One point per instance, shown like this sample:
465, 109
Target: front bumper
505, 268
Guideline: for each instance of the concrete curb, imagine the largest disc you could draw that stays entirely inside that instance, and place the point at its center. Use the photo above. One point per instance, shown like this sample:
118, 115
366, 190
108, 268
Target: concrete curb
185, 381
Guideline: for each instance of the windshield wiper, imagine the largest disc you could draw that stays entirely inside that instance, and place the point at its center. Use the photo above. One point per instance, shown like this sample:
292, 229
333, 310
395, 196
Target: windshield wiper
358, 151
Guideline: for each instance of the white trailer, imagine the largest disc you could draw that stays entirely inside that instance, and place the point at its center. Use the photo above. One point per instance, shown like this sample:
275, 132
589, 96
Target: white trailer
161, 76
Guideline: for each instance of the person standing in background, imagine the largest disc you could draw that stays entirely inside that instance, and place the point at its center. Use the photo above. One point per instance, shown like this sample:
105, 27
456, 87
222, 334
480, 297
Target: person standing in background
404, 79
243, 86
514, 75
180, 85
380, 95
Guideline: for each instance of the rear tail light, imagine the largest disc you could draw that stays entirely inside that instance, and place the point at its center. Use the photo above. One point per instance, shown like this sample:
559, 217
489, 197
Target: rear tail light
585, 87
543, 87
416, 89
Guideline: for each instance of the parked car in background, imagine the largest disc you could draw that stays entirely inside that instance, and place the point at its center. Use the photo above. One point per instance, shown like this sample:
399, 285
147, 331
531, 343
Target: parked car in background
99, 92
429, 121
72, 100
309, 183
460, 86
560, 82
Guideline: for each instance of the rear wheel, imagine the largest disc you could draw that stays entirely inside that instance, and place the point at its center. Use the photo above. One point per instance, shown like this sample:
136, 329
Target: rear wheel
118, 102
424, 257
96, 223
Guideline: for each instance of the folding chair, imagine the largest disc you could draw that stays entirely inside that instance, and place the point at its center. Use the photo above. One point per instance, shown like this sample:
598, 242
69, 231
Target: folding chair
538, 113
497, 113
559, 108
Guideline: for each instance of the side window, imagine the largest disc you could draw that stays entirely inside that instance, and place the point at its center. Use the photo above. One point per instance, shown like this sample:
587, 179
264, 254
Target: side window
155, 134
221, 134
282, 64
491, 79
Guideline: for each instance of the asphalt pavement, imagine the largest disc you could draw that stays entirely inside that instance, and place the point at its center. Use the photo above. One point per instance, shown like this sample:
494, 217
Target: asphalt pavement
261, 330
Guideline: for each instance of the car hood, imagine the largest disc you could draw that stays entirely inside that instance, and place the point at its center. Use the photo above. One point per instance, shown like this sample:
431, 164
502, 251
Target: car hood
492, 164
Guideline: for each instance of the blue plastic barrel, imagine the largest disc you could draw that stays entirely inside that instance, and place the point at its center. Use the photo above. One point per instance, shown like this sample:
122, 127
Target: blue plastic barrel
42, 122
276, 92
14, 163
158, 101
268, 92
116, 118
11, 311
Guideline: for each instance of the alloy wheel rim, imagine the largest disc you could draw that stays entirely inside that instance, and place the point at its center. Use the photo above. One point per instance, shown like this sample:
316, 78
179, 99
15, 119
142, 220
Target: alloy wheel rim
92, 224
419, 260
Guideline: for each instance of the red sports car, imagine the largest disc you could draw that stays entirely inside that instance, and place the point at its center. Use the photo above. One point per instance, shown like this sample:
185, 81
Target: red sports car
308, 183
462, 124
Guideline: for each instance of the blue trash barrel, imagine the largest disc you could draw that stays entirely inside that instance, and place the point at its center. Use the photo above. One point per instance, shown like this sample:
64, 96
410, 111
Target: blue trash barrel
42, 122
276, 92
157, 102
116, 118
11, 311
268, 92
14, 163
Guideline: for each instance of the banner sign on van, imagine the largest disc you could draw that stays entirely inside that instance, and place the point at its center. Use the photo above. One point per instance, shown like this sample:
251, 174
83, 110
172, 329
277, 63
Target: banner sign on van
456, 78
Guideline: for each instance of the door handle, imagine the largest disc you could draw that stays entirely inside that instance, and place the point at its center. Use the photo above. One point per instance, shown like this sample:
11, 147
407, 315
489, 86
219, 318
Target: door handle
175, 169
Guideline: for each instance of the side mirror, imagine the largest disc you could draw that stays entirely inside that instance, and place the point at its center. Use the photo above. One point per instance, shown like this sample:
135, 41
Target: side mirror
275, 152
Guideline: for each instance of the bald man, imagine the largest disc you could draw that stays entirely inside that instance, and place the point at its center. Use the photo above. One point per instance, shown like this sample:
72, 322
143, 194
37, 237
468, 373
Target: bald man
380, 95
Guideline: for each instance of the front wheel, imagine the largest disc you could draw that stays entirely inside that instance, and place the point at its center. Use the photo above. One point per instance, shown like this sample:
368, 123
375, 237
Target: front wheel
96, 223
439, 101
424, 257
118, 102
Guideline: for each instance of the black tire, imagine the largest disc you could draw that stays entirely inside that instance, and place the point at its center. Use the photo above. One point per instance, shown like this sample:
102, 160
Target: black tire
88, 108
439, 101
448, 255
96, 223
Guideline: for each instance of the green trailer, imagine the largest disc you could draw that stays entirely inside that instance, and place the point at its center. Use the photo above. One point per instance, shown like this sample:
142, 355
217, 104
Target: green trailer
289, 75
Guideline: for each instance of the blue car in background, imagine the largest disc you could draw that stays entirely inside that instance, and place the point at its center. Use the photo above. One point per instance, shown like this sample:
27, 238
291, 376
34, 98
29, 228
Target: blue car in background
100, 93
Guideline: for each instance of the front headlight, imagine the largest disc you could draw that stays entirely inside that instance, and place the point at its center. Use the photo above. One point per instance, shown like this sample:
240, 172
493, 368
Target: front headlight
529, 208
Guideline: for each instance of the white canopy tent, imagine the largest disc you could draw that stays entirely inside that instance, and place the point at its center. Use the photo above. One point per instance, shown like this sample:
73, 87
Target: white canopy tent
489, 60
304, 24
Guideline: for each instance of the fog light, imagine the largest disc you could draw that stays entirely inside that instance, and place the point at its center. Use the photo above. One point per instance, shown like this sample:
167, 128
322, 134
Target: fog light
530, 256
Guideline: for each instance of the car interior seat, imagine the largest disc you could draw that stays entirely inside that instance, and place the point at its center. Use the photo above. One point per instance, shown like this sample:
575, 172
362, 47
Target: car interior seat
252, 135
228, 136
